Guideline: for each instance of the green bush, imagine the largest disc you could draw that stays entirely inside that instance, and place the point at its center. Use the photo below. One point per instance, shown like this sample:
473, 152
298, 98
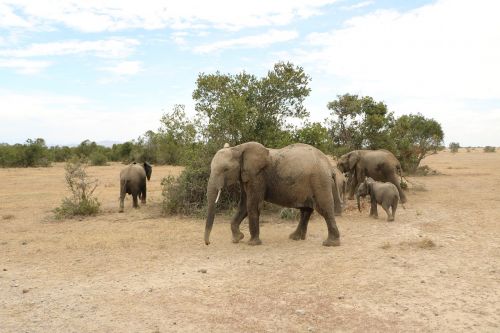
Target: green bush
81, 202
98, 158
489, 149
187, 194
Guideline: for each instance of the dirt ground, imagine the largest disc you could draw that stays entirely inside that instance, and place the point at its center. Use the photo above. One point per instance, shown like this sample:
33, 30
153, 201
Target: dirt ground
436, 268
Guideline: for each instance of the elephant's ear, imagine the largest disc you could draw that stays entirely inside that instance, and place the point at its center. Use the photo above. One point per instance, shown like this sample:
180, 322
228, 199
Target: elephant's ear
149, 169
353, 159
254, 159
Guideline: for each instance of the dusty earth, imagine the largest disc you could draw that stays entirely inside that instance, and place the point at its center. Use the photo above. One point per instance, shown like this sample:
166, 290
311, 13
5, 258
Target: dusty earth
436, 268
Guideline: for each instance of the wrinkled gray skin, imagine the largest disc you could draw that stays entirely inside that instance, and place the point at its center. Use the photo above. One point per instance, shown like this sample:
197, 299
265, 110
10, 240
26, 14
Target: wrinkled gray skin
133, 181
297, 176
381, 165
384, 194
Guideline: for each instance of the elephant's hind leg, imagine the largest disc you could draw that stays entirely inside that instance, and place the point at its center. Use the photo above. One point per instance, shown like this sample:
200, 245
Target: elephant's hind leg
143, 195
394, 207
325, 209
135, 201
238, 218
301, 231
387, 207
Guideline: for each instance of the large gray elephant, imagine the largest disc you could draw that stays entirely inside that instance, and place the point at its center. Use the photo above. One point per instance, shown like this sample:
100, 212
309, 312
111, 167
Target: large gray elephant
133, 181
297, 176
381, 165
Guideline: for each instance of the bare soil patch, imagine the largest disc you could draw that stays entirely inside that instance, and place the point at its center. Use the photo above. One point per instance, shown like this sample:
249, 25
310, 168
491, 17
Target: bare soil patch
436, 268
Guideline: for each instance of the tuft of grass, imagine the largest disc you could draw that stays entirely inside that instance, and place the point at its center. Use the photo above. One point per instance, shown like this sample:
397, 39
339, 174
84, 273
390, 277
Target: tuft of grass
489, 149
7, 217
385, 246
289, 214
424, 243
81, 202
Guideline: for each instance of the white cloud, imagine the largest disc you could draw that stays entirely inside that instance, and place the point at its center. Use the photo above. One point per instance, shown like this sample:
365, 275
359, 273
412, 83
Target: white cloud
358, 5
255, 41
448, 49
24, 66
9, 19
69, 119
107, 48
125, 68
113, 15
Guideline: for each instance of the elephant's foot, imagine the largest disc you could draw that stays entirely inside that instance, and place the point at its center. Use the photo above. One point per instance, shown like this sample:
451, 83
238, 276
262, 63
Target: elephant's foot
331, 242
121, 210
238, 237
390, 219
374, 216
255, 241
298, 235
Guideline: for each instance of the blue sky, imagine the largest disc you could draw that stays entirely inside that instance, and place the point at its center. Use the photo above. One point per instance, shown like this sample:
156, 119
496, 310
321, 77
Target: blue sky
107, 70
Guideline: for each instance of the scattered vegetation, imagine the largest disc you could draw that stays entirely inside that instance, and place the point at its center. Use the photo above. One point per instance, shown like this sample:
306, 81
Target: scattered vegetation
454, 146
489, 149
237, 108
81, 202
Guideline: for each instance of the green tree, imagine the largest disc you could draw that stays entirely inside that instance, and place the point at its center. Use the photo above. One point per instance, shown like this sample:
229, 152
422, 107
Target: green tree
415, 137
359, 123
240, 108
315, 135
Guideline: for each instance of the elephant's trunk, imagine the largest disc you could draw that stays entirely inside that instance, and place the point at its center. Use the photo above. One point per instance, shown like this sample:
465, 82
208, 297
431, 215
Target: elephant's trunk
357, 199
211, 200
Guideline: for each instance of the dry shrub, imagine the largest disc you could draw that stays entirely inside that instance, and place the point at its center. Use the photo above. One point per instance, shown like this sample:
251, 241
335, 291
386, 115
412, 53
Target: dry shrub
425, 170
489, 149
81, 202
7, 217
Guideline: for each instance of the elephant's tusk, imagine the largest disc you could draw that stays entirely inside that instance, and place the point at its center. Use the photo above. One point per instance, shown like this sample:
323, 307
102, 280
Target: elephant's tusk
218, 195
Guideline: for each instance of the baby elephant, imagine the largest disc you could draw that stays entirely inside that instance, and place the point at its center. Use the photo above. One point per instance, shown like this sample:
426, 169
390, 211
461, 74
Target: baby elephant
384, 194
133, 181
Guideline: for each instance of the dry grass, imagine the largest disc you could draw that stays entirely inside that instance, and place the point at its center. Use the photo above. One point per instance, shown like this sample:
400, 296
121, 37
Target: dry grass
424, 243
8, 217
385, 246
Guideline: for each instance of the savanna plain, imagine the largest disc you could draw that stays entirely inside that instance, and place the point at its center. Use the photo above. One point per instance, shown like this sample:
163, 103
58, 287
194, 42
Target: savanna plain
436, 268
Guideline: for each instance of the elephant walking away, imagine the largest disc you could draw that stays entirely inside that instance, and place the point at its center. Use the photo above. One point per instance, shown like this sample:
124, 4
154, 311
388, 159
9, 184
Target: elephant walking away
297, 176
133, 181
384, 194
381, 165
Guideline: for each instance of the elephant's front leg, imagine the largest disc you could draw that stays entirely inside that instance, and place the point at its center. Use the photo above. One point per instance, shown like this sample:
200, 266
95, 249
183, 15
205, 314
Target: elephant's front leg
255, 194
239, 217
301, 231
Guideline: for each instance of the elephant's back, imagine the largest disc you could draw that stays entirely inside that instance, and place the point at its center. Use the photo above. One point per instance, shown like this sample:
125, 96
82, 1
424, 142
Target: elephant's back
132, 171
